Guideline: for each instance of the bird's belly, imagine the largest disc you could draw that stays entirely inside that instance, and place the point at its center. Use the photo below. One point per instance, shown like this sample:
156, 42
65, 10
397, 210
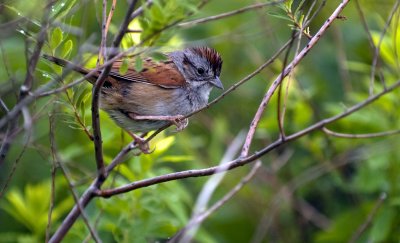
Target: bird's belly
148, 100
169, 103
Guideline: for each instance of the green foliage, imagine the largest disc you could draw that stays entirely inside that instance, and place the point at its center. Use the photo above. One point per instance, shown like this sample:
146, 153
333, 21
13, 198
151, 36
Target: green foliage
56, 38
293, 14
138, 64
31, 209
154, 213
62, 8
124, 67
160, 15
339, 178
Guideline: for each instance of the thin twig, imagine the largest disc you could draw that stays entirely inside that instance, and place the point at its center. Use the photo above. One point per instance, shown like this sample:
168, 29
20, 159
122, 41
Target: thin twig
378, 46
228, 14
15, 165
5, 145
286, 191
104, 30
311, 214
140, 10
280, 115
369, 219
365, 25
69, 181
360, 136
96, 95
53, 186
243, 160
27, 85
78, 117
207, 191
288, 69
196, 221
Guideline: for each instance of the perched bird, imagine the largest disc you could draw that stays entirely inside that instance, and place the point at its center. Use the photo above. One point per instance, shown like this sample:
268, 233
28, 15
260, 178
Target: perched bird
161, 93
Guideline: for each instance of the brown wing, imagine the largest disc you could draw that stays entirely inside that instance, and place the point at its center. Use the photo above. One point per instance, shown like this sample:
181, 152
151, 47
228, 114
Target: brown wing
164, 74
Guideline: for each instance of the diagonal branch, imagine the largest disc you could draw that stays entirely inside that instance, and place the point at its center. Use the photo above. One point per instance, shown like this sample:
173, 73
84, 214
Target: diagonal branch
242, 160
57, 162
288, 69
96, 95
183, 234
228, 14
26, 87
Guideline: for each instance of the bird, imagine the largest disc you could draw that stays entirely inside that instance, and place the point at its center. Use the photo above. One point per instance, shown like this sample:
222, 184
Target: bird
161, 93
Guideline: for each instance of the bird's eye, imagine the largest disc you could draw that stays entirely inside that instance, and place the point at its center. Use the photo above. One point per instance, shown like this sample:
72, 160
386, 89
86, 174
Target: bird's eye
200, 71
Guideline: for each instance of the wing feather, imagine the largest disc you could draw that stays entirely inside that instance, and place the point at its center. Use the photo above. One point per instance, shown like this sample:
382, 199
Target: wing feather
163, 74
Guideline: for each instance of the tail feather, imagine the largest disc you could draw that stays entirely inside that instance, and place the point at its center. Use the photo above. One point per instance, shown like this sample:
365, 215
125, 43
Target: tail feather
64, 63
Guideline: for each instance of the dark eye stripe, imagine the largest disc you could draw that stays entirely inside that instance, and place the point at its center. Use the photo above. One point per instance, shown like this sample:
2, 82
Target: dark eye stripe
186, 60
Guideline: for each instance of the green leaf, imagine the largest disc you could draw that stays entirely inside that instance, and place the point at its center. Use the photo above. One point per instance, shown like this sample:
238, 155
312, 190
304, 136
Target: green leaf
80, 94
164, 144
56, 38
124, 67
288, 4
158, 56
126, 172
30, 208
382, 224
279, 16
190, 6
61, 8
156, 12
138, 64
83, 109
67, 48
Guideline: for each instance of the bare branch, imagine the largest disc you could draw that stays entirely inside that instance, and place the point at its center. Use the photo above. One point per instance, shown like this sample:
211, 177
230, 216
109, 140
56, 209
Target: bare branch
242, 160
208, 189
369, 219
53, 186
358, 136
312, 214
288, 69
96, 95
280, 115
104, 30
378, 47
58, 162
228, 14
182, 235
15, 165
27, 86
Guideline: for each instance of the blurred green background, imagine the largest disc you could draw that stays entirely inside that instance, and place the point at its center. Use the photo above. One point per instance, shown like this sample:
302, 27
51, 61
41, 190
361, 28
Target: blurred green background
316, 189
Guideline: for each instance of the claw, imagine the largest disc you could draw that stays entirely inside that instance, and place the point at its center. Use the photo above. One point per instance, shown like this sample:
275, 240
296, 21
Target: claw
180, 124
142, 144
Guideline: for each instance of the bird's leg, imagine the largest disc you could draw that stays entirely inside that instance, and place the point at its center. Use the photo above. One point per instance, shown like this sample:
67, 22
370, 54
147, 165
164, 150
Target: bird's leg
143, 145
178, 120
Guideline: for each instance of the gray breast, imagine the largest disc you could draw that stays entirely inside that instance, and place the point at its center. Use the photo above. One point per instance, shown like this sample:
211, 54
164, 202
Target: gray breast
196, 98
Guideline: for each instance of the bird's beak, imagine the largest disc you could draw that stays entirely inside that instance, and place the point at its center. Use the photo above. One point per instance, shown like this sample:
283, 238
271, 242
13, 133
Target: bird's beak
217, 83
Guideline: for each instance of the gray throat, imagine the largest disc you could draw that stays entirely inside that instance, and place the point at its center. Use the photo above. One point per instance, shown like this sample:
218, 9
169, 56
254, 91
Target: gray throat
198, 96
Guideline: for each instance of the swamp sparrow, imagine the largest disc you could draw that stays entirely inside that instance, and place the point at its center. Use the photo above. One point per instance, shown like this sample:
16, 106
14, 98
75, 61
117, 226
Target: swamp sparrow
161, 93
